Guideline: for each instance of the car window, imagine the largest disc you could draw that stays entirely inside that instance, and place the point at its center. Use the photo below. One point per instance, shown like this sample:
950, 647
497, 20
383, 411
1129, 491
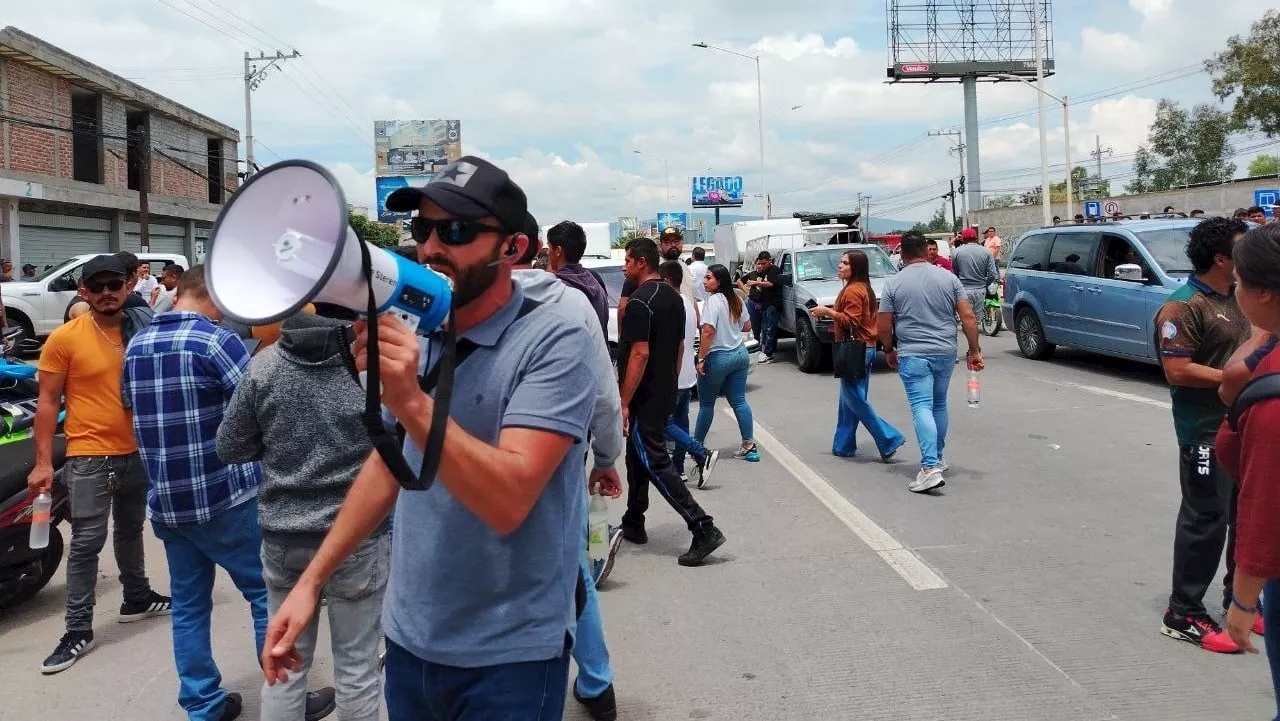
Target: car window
1117, 251
786, 264
1072, 253
55, 269
613, 278
1030, 253
1169, 248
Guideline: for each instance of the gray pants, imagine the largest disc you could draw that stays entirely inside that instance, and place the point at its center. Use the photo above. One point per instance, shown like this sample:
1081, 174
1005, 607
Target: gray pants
97, 485
355, 596
977, 299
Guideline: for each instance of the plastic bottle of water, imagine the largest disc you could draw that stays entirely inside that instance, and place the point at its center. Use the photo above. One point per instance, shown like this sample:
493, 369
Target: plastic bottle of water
40, 521
598, 529
975, 389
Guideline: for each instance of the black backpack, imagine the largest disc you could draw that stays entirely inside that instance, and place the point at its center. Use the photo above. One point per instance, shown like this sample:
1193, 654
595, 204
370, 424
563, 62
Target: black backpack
1262, 388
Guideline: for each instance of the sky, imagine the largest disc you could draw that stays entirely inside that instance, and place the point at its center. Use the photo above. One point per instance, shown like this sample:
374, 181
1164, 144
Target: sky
563, 93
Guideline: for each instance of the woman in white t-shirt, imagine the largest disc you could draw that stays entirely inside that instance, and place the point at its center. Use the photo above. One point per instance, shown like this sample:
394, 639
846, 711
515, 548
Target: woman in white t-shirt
678, 422
723, 361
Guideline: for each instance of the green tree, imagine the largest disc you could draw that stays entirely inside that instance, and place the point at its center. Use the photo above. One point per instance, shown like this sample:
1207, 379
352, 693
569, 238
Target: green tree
383, 235
939, 223
622, 240
1264, 165
1184, 147
1001, 201
1083, 185
1248, 70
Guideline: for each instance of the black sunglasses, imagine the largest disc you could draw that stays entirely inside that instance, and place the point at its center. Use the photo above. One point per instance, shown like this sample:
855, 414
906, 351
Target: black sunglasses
450, 232
97, 286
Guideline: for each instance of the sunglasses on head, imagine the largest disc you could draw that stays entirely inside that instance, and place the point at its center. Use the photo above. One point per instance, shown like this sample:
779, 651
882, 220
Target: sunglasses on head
97, 286
450, 232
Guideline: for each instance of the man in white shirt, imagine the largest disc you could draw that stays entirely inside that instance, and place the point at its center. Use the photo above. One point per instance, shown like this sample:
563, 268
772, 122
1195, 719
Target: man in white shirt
146, 282
698, 269
672, 271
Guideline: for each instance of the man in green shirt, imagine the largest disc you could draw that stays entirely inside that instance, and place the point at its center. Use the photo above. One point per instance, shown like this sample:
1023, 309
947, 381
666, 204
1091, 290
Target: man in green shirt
1199, 328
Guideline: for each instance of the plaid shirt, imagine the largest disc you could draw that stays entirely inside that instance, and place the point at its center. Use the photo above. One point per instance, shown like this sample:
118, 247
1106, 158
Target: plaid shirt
179, 374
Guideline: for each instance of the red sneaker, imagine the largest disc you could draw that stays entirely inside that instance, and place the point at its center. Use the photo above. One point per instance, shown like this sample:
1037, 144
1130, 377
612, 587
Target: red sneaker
1258, 628
1200, 630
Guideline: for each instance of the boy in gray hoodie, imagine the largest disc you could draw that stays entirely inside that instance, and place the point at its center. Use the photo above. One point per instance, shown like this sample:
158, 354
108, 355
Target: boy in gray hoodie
297, 410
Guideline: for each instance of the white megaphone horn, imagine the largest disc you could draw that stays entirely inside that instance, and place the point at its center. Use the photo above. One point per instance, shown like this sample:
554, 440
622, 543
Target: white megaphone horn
283, 241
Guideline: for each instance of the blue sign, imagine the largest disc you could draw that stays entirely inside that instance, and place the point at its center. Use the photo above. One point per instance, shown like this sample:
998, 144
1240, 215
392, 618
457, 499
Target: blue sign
717, 191
1267, 199
1093, 208
386, 184
673, 220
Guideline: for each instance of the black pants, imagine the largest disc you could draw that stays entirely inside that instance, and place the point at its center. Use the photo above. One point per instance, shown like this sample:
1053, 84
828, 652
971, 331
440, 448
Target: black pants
649, 463
1203, 521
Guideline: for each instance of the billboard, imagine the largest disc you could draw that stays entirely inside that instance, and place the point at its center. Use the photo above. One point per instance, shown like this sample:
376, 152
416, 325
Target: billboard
415, 147
387, 184
717, 191
627, 223
673, 220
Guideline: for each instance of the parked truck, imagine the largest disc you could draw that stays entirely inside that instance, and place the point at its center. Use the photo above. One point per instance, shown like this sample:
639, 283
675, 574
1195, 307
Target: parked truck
599, 239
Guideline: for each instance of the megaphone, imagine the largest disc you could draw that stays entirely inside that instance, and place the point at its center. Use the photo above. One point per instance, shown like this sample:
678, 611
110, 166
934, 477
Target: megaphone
283, 241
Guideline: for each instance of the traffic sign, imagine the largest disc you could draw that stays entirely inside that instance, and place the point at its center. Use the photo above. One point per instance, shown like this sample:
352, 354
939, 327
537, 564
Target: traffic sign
1110, 207
1267, 199
1092, 208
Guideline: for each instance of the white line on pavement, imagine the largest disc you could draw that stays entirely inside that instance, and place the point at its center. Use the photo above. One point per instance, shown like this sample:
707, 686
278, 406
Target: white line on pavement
901, 559
1108, 392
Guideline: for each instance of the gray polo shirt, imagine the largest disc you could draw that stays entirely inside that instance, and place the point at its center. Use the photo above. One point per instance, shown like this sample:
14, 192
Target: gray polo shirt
922, 298
975, 266
459, 593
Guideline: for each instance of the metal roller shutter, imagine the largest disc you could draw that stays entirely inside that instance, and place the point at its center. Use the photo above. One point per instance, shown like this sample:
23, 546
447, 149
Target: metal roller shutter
43, 246
164, 238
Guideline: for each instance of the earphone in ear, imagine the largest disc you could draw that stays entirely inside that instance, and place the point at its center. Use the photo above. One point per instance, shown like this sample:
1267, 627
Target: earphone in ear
513, 250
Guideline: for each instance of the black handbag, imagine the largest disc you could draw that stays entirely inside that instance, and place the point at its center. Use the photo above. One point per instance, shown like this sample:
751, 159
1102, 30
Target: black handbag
849, 359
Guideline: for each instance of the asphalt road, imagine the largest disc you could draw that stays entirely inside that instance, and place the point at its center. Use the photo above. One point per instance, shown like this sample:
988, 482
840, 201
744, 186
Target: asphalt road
1031, 587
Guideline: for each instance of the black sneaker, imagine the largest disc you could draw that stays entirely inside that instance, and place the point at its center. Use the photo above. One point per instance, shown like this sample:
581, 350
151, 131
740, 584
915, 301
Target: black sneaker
73, 645
635, 534
703, 545
601, 708
320, 703
1202, 631
149, 607
704, 469
232, 705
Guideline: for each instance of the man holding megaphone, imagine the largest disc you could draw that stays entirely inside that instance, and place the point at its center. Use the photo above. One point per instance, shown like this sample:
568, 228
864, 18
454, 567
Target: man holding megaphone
480, 605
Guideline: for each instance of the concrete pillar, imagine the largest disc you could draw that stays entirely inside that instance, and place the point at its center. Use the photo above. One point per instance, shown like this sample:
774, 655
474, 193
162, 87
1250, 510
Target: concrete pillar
116, 243
9, 231
189, 241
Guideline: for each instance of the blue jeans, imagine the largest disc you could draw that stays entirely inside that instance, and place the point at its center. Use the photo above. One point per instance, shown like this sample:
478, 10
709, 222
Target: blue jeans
232, 540
1271, 623
725, 374
589, 650
755, 312
418, 690
769, 331
926, 378
678, 431
855, 408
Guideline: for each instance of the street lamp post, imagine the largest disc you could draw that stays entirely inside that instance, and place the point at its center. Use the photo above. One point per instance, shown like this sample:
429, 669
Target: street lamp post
764, 190
1044, 141
1066, 132
665, 171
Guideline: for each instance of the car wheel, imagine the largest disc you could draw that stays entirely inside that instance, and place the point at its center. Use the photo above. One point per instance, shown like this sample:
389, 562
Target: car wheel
1031, 340
808, 348
19, 318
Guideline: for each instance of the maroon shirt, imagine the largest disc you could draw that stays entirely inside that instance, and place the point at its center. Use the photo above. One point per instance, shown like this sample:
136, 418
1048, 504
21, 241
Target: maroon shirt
1251, 456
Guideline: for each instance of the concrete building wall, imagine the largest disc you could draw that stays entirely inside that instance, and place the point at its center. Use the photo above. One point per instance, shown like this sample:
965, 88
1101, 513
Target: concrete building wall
1213, 200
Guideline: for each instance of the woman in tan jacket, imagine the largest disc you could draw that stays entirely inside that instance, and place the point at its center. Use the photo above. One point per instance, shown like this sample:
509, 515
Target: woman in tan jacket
854, 314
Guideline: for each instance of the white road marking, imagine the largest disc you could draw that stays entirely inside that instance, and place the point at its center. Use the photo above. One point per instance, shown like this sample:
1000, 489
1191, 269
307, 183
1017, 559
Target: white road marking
1133, 397
913, 570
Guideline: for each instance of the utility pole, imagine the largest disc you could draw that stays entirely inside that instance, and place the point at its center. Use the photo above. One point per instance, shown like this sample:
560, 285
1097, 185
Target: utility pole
253, 77
144, 186
1097, 153
958, 149
955, 220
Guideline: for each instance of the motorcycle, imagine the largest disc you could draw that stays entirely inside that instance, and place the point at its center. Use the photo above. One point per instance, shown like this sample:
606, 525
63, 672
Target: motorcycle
24, 570
989, 319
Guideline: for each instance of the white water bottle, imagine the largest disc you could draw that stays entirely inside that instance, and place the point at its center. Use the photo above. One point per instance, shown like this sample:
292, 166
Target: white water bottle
40, 511
975, 389
598, 529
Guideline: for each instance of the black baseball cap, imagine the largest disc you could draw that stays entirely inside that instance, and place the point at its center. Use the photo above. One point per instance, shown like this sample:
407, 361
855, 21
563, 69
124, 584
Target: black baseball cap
104, 264
672, 230
469, 188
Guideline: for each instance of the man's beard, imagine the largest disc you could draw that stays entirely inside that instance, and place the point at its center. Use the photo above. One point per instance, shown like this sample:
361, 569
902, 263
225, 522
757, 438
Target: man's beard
106, 311
471, 282
672, 253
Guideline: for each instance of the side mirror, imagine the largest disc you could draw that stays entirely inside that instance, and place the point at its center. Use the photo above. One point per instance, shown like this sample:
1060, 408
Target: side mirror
786, 279
1131, 272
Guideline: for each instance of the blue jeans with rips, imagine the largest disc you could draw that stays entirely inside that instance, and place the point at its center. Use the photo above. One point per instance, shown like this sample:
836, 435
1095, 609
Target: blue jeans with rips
855, 408
926, 379
232, 540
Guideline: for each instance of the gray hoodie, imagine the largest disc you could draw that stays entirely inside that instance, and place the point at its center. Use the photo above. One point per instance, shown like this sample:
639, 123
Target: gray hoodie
298, 411
606, 417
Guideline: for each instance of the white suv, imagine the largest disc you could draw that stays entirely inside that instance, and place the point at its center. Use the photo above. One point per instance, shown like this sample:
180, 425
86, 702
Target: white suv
38, 305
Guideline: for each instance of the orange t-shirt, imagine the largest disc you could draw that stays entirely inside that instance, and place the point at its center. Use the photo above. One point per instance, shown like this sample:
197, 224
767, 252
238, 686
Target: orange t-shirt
97, 422
270, 333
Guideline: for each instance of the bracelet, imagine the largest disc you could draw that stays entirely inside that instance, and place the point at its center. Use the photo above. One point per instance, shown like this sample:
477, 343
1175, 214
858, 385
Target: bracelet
1242, 607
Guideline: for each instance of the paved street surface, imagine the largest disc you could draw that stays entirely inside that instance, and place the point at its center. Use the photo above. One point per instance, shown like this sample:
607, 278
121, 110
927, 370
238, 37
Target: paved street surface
1031, 587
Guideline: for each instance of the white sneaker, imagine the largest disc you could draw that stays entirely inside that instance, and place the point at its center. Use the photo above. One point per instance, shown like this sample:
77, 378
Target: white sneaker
927, 480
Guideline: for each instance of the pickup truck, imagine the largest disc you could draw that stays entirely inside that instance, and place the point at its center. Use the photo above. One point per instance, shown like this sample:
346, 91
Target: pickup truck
37, 305
809, 279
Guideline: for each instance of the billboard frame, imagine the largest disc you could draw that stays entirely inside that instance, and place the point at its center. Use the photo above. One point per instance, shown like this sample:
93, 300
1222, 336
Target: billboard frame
933, 41
694, 186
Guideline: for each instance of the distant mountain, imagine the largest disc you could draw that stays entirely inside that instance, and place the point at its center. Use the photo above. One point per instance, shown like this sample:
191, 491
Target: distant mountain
876, 225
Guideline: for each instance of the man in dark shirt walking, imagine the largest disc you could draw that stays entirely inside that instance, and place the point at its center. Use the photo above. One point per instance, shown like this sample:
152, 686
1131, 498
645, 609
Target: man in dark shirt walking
651, 341
1200, 327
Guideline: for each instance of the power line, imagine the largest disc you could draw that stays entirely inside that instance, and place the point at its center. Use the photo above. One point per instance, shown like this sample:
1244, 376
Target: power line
202, 22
